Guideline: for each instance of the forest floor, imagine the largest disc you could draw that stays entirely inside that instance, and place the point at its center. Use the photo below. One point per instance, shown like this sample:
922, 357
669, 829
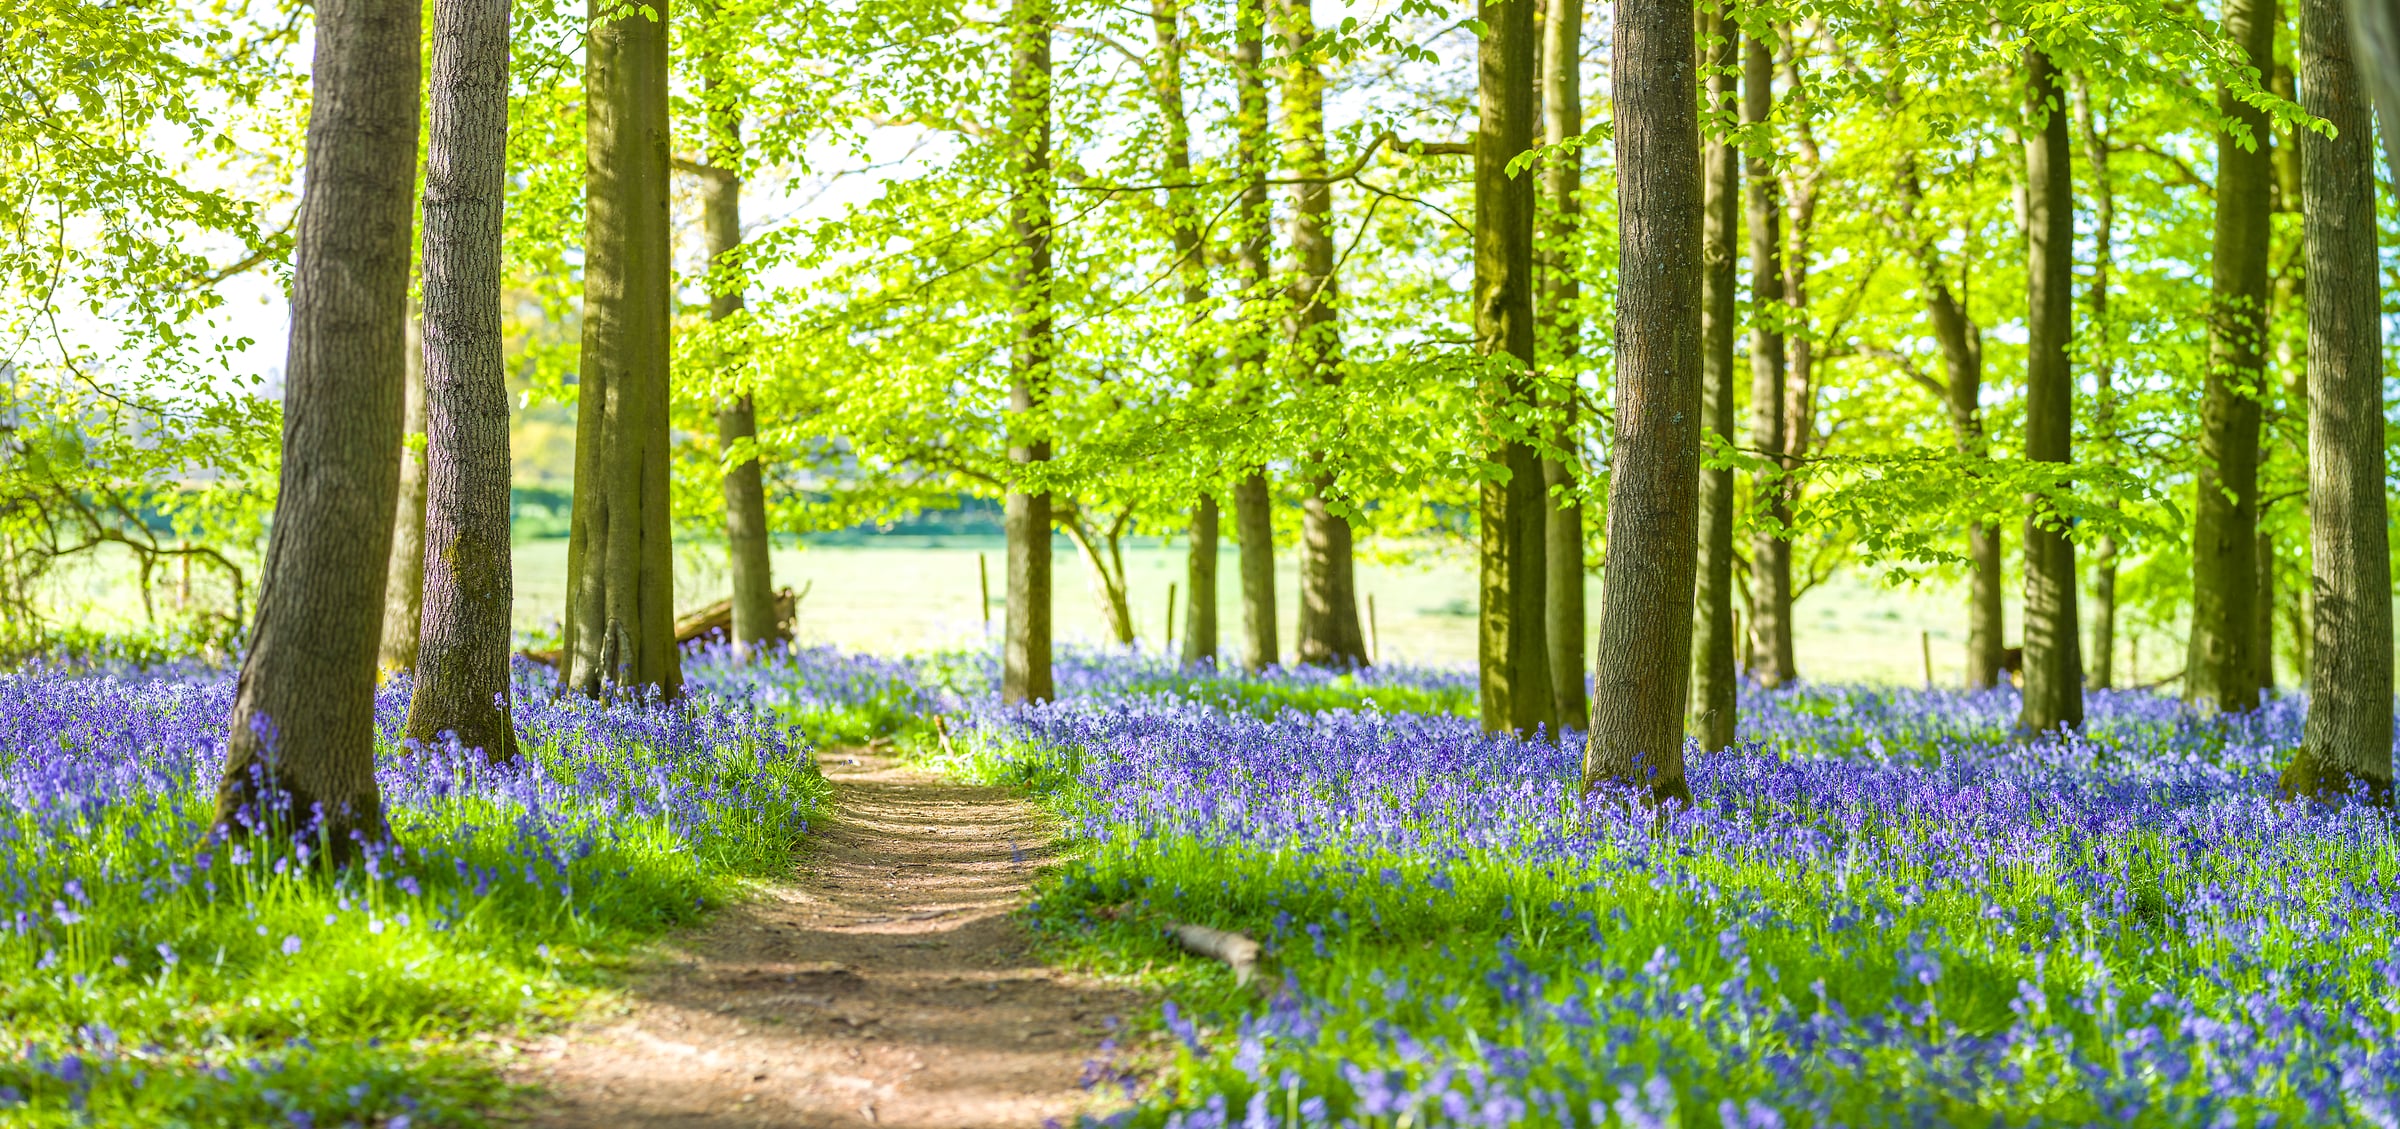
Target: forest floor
887, 983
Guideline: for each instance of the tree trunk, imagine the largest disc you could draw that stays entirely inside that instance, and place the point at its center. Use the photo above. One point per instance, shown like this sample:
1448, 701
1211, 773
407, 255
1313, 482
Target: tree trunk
2375, 41
1562, 549
747, 536
1512, 650
2053, 644
1771, 659
2262, 616
2103, 673
1643, 668
462, 673
2221, 673
2348, 736
620, 622
1329, 627
1025, 665
300, 750
1200, 562
1104, 558
404, 583
1713, 674
1253, 502
1200, 581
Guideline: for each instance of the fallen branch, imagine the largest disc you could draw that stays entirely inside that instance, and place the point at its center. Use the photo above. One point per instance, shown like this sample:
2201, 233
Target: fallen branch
1238, 952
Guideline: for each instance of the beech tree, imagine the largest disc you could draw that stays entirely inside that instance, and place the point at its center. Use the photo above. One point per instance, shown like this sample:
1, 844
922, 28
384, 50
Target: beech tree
2053, 642
1562, 548
300, 752
1771, 657
1253, 498
1025, 663
404, 580
1713, 649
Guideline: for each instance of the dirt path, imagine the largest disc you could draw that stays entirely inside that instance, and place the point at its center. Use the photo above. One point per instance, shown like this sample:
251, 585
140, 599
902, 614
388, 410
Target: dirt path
887, 985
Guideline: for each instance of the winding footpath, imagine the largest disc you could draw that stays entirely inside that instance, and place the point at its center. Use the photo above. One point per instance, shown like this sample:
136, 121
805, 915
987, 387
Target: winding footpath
886, 984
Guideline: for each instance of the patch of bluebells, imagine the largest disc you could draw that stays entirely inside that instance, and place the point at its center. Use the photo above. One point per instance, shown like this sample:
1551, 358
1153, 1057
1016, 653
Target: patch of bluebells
1882, 909
1118, 673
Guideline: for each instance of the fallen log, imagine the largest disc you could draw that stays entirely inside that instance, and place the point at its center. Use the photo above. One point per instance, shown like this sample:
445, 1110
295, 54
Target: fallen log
1238, 952
715, 619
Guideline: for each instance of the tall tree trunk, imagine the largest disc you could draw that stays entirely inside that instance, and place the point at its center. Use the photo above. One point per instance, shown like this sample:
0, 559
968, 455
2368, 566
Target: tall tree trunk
1562, 548
747, 537
1643, 668
1191, 262
1025, 665
1713, 674
300, 750
1771, 659
620, 623
1512, 651
1253, 501
2103, 673
2262, 615
462, 672
1799, 179
404, 582
2053, 644
2375, 39
2348, 735
1329, 627
2221, 673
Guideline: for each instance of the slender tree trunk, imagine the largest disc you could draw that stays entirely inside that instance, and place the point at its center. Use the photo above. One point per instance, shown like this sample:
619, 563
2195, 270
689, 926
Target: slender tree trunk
1104, 558
2220, 672
2375, 39
1329, 627
1253, 501
1645, 652
404, 584
620, 622
1771, 659
2262, 615
747, 536
1562, 549
1512, 650
462, 673
2053, 644
2103, 672
1200, 561
1025, 666
300, 751
1713, 674
2348, 736
1799, 179
1200, 578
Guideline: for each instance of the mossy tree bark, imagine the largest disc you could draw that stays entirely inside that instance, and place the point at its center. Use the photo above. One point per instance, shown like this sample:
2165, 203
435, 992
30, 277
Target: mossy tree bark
620, 622
1253, 500
300, 751
1642, 673
2221, 672
1512, 652
1713, 663
404, 581
2348, 736
1025, 662
1562, 549
462, 672
2053, 644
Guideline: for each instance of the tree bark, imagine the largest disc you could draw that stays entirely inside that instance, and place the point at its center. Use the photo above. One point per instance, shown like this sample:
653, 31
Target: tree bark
2221, 673
1562, 549
300, 751
404, 582
1643, 667
1200, 580
2375, 41
2103, 673
1025, 664
1713, 673
2348, 736
462, 674
620, 622
1771, 660
747, 536
2053, 644
2262, 616
1512, 650
1253, 502
1191, 262
1329, 629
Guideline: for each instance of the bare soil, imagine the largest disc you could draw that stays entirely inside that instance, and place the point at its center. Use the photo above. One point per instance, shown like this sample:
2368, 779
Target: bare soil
886, 984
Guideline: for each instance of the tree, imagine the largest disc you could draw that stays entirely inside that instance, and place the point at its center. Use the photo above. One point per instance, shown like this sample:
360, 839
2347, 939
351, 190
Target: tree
2103, 670
2348, 737
747, 535
1562, 548
1329, 627
1191, 264
1512, 652
620, 621
1713, 672
1641, 674
2053, 643
1771, 661
404, 580
462, 669
1253, 501
2220, 672
1025, 663
300, 754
